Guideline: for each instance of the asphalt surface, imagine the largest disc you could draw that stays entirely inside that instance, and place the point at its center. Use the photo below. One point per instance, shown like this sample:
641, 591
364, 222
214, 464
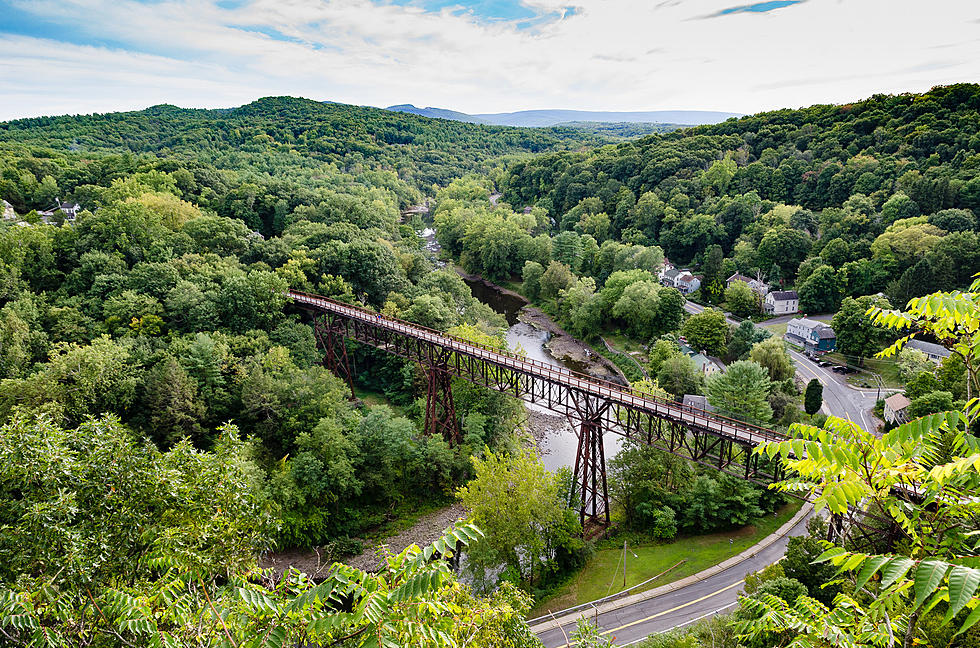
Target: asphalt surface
715, 594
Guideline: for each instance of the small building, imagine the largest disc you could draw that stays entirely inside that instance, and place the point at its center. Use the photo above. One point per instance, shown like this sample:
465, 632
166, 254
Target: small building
782, 302
698, 402
758, 286
686, 282
935, 352
69, 210
668, 274
705, 365
816, 337
896, 409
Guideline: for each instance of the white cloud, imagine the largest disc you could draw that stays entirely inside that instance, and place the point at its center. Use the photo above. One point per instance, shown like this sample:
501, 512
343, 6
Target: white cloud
608, 54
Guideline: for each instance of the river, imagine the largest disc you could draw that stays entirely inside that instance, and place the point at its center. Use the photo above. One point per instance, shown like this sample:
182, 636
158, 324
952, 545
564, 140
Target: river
557, 439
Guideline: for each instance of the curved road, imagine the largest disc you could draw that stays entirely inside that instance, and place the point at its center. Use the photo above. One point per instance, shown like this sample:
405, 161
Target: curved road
718, 593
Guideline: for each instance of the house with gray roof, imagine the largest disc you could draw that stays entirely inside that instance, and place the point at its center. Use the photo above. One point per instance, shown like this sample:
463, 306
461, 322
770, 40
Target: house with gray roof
782, 302
816, 337
935, 352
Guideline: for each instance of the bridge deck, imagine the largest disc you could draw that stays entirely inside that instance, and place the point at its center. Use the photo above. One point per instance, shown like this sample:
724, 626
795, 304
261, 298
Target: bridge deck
740, 432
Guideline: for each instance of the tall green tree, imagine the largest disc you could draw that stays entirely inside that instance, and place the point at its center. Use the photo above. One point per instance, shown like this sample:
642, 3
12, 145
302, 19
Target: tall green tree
856, 334
707, 331
813, 397
516, 502
741, 391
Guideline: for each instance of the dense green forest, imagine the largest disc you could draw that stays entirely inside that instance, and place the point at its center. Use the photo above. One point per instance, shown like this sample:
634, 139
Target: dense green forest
165, 418
880, 192
277, 140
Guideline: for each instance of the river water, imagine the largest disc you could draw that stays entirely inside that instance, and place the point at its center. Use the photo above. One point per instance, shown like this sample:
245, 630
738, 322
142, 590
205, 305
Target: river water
558, 440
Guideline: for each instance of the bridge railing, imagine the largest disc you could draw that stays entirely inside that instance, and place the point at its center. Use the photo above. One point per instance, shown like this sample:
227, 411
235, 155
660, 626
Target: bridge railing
602, 387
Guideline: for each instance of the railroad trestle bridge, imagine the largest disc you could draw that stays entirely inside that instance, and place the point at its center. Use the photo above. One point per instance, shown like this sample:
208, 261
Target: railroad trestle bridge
594, 407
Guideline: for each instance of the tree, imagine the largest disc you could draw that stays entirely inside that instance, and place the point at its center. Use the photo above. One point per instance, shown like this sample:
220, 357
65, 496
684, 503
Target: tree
744, 337
707, 331
742, 300
849, 468
771, 354
821, 292
171, 401
741, 392
911, 362
711, 270
951, 317
515, 501
856, 334
813, 397
556, 278
931, 403
531, 275
679, 376
784, 246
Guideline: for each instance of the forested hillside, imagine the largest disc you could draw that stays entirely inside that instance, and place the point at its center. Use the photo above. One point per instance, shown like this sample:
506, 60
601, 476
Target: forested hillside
883, 191
288, 138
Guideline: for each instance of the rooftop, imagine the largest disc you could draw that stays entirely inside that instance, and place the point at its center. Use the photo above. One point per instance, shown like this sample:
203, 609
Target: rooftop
930, 348
897, 402
784, 295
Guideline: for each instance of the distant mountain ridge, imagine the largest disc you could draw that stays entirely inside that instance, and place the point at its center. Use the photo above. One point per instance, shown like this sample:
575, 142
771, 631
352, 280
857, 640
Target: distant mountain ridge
543, 118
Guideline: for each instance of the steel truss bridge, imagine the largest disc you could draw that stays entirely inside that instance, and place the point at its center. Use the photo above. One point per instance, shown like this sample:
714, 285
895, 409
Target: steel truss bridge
594, 407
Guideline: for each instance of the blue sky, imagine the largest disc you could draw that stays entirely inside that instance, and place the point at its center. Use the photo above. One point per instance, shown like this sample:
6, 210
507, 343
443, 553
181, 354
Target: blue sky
71, 56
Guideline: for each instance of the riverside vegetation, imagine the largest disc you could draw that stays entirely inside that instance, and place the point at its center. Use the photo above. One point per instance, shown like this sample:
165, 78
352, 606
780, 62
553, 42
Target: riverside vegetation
165, 418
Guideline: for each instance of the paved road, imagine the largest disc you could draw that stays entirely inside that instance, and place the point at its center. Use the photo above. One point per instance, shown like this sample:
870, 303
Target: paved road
839, 398
701, 599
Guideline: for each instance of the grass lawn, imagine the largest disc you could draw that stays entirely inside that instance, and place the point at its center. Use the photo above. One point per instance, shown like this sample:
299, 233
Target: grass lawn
700, 552
885, 368
778, 330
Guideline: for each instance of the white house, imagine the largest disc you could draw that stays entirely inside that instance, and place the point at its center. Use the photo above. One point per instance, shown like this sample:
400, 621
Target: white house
896, 408
682, 280
667, 275
70, 210
782, 302
686, 282
935, 352
758, 286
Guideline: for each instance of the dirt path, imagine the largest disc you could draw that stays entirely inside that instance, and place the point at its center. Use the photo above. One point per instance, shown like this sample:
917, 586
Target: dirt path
316, 562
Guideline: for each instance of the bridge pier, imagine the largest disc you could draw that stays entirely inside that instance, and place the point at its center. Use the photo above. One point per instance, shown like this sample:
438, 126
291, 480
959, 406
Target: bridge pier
330, 334
440, 408
590, 476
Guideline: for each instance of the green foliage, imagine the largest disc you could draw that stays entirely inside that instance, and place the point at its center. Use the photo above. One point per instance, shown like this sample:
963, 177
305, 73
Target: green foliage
92, 507
771, 354
856, 334
813, 397
707, 331
413, 599
742, 300
517, 502
741, 391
